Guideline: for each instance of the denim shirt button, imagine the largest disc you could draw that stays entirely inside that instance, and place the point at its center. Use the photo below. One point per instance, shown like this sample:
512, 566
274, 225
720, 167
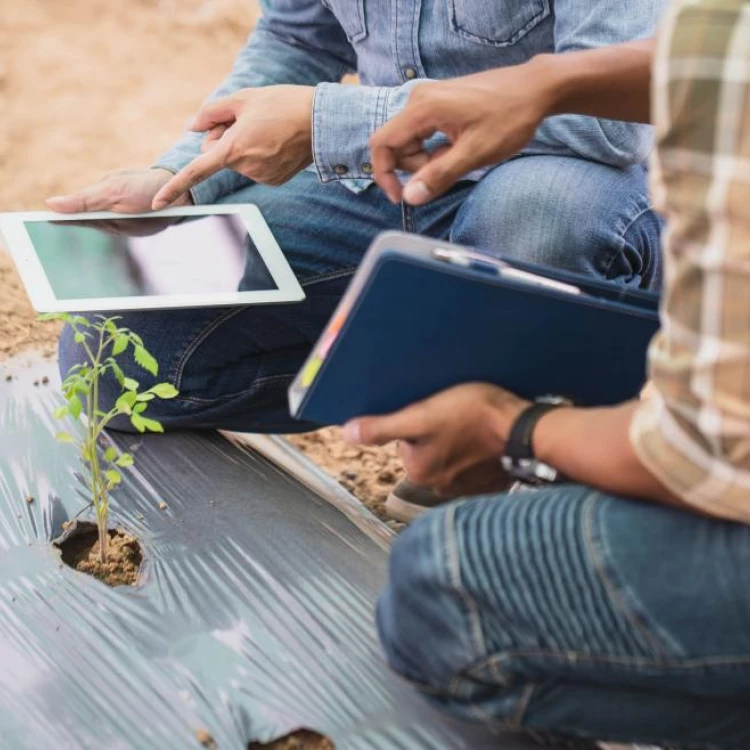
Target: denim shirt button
410, 74
367, 168
340, 169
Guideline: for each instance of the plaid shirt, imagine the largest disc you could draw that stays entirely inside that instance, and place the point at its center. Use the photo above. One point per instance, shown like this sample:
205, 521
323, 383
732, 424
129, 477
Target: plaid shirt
693, 431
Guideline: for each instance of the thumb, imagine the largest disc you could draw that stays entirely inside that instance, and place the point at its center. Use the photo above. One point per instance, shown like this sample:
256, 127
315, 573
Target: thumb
446, 167
217, 113
401, 425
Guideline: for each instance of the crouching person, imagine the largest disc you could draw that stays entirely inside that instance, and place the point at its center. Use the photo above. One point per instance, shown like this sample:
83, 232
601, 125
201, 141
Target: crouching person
616, 606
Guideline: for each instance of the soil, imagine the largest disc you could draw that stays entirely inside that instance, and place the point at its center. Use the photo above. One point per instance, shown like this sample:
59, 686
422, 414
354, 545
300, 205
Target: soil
302, 740
86, 87
81, 552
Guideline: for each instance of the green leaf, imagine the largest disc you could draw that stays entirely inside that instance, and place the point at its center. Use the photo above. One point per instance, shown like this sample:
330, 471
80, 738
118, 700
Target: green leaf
110, 454
64, 437
79, 320
80, 337
152, 425
138, 422
120, 344
164, 390
109, 324
60, 412
146, 360
130, 384
64, 317
125, 460
86, 453
134, 337
75, 406
124, 404
146, 396
140, 408
117, 370
113, 476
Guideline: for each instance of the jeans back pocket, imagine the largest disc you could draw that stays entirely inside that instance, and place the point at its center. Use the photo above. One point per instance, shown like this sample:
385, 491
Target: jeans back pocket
499, 23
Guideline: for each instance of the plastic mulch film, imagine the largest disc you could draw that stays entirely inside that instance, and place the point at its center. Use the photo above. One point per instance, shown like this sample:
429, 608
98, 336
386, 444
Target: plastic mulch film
254, 618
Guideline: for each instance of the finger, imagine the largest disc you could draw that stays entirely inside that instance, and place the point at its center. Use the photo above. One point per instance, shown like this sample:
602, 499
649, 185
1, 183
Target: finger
446, 167
213, 137
198, 170
407, 424
221, 112
384, 170
93, 198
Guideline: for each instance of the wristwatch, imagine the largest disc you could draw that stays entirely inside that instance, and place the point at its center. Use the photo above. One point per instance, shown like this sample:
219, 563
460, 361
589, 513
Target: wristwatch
519, 460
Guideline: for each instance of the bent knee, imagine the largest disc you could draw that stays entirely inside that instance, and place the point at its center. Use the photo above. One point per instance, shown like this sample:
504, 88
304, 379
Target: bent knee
564, 213
421, 614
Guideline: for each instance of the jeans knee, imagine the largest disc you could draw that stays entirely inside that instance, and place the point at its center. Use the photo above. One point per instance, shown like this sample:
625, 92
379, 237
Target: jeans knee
565, 213
422, 614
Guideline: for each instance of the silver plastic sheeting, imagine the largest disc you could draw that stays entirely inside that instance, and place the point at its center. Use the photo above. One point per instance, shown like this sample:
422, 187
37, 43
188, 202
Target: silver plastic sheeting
255, 616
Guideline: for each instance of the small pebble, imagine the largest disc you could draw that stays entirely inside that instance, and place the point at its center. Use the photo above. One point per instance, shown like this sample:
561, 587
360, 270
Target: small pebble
29, 499
205, 739
349, 474
8, 378
162, 505
45, 380
36, 382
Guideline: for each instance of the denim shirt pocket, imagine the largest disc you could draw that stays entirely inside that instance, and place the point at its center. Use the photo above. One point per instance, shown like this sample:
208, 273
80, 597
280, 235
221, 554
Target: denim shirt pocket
499, 23
351, 15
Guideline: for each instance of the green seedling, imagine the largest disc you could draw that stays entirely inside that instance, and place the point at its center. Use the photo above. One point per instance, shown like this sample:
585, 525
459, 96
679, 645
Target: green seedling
103, 341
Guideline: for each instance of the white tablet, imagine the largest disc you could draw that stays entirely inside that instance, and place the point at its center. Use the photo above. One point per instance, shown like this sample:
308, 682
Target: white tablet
197, 256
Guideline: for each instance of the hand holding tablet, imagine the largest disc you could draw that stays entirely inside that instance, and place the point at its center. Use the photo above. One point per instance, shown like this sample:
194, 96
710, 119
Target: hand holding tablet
196, 256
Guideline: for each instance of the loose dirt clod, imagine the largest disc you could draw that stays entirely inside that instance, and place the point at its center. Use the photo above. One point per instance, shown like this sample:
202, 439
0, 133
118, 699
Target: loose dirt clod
301, 740
205, 739
162, 505
29, 499
81, 552
45, 380
8, 378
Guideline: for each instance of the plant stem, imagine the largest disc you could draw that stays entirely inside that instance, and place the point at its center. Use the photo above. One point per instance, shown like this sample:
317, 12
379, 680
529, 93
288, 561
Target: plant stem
101, 504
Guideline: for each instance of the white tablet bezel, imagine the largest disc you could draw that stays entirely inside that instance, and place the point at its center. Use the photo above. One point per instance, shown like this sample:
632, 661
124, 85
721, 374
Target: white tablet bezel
44, 299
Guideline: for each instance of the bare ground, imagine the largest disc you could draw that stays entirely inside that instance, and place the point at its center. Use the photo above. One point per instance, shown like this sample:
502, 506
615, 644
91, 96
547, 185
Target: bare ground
89, 86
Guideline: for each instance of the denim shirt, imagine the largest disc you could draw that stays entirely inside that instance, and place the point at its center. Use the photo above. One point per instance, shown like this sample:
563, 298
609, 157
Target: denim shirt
394, 45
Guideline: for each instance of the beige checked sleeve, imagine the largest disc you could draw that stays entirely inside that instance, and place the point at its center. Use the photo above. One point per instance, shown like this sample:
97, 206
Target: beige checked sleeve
693, 432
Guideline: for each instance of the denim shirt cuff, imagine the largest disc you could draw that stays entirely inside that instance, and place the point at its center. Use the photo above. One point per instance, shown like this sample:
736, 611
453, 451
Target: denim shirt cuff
344, 117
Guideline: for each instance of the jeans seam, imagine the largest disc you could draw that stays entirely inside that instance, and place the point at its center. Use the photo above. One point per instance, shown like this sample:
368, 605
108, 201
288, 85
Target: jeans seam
615, 597
453, 568
179, 368
621, 238
257, 384
331, 276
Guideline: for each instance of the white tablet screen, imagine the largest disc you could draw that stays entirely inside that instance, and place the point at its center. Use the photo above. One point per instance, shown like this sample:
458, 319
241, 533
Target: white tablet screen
148, 256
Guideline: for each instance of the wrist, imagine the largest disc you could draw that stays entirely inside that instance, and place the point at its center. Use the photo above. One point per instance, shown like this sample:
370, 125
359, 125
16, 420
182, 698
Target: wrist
552, 78
550, 430
504, 411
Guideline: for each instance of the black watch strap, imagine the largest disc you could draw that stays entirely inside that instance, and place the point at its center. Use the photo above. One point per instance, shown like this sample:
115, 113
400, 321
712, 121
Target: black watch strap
519, 446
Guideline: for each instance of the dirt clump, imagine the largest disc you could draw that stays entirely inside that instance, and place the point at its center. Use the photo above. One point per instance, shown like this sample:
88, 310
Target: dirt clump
369, 473
81, 552
302, 740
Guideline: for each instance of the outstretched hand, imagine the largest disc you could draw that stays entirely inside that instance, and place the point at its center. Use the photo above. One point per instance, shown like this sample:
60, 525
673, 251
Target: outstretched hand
263, 133
488, 118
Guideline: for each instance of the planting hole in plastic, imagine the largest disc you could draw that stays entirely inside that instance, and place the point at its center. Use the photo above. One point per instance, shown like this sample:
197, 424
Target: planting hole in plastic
79, 549
304, 739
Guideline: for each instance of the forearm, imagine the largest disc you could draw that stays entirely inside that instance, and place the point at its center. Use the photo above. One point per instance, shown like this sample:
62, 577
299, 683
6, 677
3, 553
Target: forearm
592, 447
611, 82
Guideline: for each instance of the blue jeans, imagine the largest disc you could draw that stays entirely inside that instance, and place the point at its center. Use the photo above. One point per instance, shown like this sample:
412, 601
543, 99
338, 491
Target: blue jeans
233, 366
565, 610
